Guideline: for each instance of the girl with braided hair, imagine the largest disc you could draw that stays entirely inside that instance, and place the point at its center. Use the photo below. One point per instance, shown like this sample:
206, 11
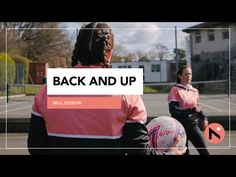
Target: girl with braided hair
91, 131
93, 45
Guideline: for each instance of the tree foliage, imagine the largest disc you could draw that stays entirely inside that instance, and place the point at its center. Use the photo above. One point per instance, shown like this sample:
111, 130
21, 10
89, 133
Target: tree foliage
37, 41
23, 60
181, 53
161, 50
10, 70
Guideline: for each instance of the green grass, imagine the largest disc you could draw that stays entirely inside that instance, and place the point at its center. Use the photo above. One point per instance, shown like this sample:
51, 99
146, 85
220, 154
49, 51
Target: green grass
32, 89
27, 89
149, 89
15, 90
157, 89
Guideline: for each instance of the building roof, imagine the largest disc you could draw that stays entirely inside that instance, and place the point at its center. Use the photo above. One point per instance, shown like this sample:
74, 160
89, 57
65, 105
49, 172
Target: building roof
207, 25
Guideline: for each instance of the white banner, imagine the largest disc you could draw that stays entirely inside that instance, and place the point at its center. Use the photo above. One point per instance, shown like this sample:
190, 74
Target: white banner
94, 81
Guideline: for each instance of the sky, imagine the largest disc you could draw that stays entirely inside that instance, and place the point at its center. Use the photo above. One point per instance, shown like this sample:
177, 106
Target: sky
143, 35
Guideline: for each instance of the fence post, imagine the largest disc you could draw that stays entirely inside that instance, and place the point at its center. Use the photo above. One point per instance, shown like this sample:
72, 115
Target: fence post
7, 93
229, 87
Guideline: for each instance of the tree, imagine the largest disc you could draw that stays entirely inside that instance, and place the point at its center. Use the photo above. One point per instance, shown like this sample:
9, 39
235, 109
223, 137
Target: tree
38, 41
46, 44
142, 56
181, 53
162, 51
12, 32
120, 54
119, 50
129, 57
2, 41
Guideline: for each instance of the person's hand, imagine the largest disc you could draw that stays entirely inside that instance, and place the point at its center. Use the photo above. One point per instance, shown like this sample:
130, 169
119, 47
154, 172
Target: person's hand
174, 150
205, 124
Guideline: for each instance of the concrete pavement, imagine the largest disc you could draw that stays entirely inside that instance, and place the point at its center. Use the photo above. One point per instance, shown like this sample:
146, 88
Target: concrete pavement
15, 115
16, 144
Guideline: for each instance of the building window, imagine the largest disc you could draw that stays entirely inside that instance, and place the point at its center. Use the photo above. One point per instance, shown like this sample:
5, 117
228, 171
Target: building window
156, 68
197, 37
211, 35
129, 66
225, 34
153, 68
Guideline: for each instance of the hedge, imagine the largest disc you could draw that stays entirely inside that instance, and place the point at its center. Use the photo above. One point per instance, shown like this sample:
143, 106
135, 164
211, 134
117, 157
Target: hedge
25, 61
11, 70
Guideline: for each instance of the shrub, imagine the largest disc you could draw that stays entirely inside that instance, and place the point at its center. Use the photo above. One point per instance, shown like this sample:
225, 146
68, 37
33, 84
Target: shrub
11, 70
23, 60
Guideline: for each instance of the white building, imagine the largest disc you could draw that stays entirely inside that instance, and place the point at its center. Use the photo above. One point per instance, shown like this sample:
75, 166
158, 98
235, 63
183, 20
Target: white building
212, 46
212, 37
153, 71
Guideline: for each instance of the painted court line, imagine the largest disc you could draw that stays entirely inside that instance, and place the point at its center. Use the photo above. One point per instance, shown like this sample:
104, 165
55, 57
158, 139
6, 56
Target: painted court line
226, 102
13, 104
24, 107
211, 107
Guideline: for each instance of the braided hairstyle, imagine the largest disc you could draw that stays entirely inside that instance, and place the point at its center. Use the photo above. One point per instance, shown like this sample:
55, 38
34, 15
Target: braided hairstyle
93, 43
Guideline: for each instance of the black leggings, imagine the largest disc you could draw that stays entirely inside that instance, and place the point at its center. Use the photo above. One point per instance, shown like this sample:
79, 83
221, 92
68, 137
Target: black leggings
195, 135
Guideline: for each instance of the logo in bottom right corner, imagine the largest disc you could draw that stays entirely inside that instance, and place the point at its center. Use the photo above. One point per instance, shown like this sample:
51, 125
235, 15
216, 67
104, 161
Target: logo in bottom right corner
214, 133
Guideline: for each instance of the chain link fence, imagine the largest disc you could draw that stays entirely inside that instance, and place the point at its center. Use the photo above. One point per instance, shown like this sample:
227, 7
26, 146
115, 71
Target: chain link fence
210, 52
18, 87
212, 56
